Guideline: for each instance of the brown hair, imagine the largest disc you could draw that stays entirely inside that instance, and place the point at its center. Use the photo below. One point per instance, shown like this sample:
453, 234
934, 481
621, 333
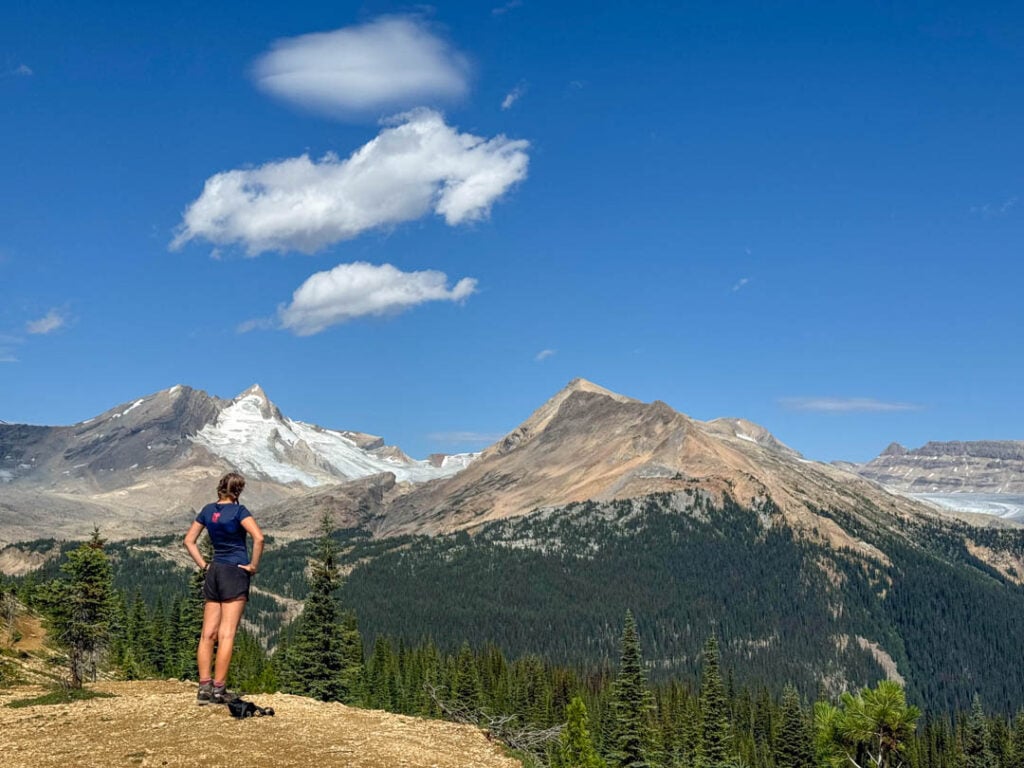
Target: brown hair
231, 486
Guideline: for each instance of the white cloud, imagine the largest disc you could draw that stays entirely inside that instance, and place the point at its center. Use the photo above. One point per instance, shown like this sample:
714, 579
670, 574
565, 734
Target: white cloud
994, 210
355, 290
544, 354
23, 70
511, 5
411, 168
740, 283
513, 96
389, 64
844, 405
53, 320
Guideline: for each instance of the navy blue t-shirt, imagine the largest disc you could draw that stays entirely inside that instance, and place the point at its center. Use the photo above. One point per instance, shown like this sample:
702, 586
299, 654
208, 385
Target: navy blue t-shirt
224, 524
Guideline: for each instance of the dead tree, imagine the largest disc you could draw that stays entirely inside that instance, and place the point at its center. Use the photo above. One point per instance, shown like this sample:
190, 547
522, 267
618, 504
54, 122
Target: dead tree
527, 739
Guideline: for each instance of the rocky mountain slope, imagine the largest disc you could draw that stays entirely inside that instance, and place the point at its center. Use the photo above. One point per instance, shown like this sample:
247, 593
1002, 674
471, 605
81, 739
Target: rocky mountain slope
587, 443
143, 466
986, 466
984, 477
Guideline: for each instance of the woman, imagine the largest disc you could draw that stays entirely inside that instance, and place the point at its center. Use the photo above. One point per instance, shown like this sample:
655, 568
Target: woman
226, 587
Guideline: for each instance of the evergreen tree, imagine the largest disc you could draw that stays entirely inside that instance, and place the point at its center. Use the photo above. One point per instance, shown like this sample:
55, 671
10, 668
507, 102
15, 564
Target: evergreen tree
630, 703
976, 749
715, 737
466, 690
79, 608
876, 721
317, 664
793, 746
190, 619
351, 644
576, 750
1015, 758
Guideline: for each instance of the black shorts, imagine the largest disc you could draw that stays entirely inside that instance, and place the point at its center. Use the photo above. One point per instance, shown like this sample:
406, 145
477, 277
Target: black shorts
225, 581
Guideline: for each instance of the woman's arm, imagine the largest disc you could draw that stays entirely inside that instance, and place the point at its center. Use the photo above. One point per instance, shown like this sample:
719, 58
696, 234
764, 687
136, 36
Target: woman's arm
190, 543
257, 544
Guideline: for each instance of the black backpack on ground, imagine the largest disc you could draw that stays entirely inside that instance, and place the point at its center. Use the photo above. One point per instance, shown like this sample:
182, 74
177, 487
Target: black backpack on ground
242, 708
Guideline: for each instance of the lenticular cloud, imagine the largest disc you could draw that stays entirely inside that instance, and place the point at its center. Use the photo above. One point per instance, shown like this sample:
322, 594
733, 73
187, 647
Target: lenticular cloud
413, 167
356, 290
386, 65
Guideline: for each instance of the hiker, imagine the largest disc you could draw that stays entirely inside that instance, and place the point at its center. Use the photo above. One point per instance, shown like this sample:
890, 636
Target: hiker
226, 587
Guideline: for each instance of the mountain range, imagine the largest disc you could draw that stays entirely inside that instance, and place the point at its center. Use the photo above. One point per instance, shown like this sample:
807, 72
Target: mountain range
596, 503
142, 467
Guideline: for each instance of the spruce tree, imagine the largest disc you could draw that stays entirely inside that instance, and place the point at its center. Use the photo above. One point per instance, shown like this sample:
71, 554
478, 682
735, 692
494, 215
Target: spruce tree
576, 749
976, 749
351, 643
316, 661
190, 618
79, 608
466, 689
630, 703
715, 736
1015, 758
794, 747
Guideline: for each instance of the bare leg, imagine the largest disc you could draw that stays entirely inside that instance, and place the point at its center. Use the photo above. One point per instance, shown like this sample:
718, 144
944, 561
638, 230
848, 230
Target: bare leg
211, 627
231, 614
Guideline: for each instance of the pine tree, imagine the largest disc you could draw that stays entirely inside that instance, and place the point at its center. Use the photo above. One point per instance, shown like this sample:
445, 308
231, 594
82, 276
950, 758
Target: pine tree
976, 750
79, 608
466, 689
876, 721
793, 746
1015, 759
576, 750
316, 662
351, 644
630, 703
715, 737
190, 618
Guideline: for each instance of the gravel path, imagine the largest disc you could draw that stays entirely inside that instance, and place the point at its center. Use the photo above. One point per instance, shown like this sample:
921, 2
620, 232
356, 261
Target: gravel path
157, 723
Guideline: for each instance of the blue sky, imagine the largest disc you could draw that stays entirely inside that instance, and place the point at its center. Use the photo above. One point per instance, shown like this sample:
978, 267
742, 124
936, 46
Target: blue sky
809, 217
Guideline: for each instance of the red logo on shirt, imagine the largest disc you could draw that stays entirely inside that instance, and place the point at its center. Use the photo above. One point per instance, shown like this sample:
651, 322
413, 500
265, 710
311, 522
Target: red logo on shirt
216, 516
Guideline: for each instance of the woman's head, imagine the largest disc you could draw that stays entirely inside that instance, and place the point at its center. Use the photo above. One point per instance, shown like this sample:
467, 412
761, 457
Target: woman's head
230, 486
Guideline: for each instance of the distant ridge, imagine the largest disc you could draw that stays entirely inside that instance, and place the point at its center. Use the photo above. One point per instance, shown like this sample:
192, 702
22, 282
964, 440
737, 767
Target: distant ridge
980, 466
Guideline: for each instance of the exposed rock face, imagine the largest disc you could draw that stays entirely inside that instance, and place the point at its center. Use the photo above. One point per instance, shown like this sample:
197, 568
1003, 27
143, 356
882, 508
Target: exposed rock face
355, 504
588, 443
110, 450
989, 466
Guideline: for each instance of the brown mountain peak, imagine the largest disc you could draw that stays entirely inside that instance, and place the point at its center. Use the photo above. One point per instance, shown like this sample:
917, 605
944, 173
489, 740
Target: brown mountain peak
539, 419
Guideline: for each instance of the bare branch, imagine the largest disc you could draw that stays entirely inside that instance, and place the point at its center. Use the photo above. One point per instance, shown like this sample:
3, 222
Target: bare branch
526, 738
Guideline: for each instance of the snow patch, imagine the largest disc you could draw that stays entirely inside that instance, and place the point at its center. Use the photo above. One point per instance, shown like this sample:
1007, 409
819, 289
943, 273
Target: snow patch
748, 438
130, 408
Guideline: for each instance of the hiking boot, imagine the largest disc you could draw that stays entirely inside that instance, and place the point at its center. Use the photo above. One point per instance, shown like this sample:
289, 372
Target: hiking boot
221, 696
205, 694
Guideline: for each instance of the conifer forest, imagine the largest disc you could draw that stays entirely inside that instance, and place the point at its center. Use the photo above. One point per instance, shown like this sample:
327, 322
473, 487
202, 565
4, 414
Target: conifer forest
603, 635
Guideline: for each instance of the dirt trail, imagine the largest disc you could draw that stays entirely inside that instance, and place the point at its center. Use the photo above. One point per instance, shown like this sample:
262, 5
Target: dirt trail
157, 723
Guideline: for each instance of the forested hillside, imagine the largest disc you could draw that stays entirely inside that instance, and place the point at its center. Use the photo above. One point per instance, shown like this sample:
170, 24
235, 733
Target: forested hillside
556, 584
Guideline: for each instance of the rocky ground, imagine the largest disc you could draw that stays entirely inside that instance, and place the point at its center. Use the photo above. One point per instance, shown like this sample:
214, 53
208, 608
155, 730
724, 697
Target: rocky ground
157, 723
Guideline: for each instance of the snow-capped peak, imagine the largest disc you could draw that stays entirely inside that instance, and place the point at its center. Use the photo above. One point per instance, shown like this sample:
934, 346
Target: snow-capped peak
253, 435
